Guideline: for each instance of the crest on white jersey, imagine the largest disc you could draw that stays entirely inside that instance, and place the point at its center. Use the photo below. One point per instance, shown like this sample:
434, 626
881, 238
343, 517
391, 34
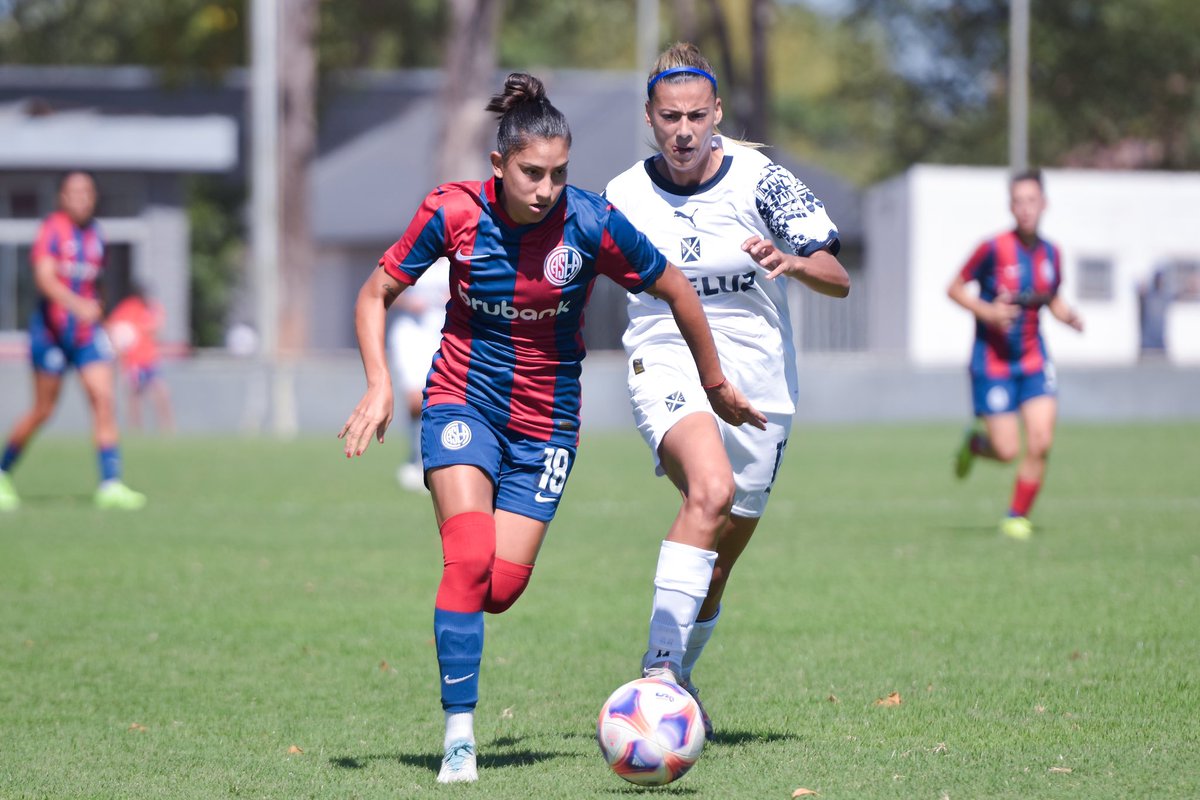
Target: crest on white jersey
689, 249
456, 435
562, 265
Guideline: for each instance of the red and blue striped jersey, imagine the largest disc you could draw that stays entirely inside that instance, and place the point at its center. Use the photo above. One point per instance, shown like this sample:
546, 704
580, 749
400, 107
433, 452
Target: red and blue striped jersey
1031, 277
512, 345
78, 254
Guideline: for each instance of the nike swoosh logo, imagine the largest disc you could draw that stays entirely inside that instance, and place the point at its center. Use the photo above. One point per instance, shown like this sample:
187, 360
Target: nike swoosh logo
461, 256
543, 498
451, 681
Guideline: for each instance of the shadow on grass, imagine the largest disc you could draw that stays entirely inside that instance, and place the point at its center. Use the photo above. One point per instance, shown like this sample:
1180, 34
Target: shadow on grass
991, 531
433, 762
55, 502
722, 737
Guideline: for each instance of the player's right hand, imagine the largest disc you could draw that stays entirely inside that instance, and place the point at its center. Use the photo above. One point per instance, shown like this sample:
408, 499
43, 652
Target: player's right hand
1001, 313
370, 417
732, 406
88, 309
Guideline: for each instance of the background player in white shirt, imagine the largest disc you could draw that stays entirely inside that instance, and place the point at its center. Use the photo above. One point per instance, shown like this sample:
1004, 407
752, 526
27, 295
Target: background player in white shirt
713, 206
413, 338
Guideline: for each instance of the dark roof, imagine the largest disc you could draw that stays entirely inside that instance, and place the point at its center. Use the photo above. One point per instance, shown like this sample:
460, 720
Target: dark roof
379, 129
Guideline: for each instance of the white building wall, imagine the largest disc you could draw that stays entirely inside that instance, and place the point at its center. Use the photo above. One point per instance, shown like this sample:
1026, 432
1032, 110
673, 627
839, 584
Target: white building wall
886, 214
1137, 220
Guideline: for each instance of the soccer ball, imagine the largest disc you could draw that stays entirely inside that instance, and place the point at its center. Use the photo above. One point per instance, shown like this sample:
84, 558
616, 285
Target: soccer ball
650, 731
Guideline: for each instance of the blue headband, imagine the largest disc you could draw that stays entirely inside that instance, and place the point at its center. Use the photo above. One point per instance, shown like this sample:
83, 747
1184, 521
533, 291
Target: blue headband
679, 71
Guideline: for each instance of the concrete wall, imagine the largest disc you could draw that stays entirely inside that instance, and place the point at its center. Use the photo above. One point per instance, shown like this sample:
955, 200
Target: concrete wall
222, 395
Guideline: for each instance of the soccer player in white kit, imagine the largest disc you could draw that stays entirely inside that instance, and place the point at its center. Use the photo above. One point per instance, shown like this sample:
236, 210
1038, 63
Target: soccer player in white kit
413, 338
712, 206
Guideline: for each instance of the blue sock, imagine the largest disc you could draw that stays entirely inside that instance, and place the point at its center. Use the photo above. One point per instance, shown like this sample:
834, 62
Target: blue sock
11, 453
459, 639
110, 463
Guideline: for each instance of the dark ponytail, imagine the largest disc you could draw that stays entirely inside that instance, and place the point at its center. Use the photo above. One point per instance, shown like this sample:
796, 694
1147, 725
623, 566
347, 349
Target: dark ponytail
526, 113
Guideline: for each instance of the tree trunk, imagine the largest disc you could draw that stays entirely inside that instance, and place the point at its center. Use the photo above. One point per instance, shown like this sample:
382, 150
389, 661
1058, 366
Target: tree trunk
298, 135
758, 121
469, 66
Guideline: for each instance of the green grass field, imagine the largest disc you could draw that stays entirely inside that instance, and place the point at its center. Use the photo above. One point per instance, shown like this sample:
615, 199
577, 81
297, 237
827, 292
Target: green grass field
264, 628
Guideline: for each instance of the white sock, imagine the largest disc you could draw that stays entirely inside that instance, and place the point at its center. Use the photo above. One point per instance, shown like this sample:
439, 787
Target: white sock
459, 726
680, 586
702, 631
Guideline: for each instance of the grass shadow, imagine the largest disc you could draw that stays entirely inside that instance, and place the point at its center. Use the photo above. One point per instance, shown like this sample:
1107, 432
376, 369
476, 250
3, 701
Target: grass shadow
723, 737
488, 759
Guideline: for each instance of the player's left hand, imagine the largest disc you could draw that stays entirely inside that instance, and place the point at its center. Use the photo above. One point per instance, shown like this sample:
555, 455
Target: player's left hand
732, 406
768, 256
370, 417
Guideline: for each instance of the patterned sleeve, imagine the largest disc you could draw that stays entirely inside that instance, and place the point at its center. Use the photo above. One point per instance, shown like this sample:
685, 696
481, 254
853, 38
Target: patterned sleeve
793, 213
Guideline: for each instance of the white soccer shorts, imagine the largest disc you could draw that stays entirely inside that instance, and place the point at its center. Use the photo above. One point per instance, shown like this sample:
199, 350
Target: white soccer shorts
412, 346
663, 393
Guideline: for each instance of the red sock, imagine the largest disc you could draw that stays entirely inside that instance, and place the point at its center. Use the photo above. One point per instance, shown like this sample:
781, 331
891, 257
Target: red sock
509, 579
468, 550
1024, 493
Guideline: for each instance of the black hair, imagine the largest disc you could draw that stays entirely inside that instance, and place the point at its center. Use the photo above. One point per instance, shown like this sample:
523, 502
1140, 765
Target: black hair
1033, 174
526, 113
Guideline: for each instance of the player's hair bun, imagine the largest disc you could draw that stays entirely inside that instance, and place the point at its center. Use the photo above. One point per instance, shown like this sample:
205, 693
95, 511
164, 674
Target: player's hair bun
519, 88
526, 113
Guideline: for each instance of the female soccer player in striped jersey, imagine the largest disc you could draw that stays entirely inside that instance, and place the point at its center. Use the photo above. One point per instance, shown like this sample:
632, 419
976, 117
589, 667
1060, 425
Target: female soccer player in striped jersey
714, 204
1011, 373
500, 424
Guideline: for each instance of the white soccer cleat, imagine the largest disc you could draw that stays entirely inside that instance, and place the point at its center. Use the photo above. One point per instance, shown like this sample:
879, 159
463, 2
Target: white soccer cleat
662, 670
458, 765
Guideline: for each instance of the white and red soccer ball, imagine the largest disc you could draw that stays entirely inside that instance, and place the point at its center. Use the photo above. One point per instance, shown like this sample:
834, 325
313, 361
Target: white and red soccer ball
650, 731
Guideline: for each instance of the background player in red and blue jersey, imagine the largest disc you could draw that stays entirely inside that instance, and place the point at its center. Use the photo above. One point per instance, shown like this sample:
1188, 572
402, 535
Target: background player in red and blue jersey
1012, 377
65, 331
500, 423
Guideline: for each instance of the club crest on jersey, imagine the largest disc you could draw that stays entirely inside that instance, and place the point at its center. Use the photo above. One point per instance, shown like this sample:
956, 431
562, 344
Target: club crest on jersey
562, 265
689, 249
1048, 273
456, 435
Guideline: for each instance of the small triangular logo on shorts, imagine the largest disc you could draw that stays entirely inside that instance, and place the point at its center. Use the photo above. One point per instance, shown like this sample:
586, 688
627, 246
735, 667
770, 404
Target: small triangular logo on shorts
675, 400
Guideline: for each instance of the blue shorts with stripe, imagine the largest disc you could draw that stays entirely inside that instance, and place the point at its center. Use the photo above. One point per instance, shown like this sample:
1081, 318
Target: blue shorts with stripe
529, 475
1005, 395
51, 354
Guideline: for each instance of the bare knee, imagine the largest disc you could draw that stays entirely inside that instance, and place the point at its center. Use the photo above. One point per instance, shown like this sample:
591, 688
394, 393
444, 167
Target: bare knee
710, 494
1039, 447
1005, 451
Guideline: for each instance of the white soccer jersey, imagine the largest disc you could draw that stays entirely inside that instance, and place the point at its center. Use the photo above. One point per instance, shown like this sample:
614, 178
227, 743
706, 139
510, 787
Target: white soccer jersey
700, 229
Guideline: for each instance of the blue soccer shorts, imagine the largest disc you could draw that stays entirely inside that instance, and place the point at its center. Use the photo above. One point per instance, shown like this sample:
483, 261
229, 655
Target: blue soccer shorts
529, 475
1005, 395
47, 353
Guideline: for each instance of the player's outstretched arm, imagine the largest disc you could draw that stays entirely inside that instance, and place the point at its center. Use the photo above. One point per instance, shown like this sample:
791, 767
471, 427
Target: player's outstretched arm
373, 413
727, 401
821, 271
